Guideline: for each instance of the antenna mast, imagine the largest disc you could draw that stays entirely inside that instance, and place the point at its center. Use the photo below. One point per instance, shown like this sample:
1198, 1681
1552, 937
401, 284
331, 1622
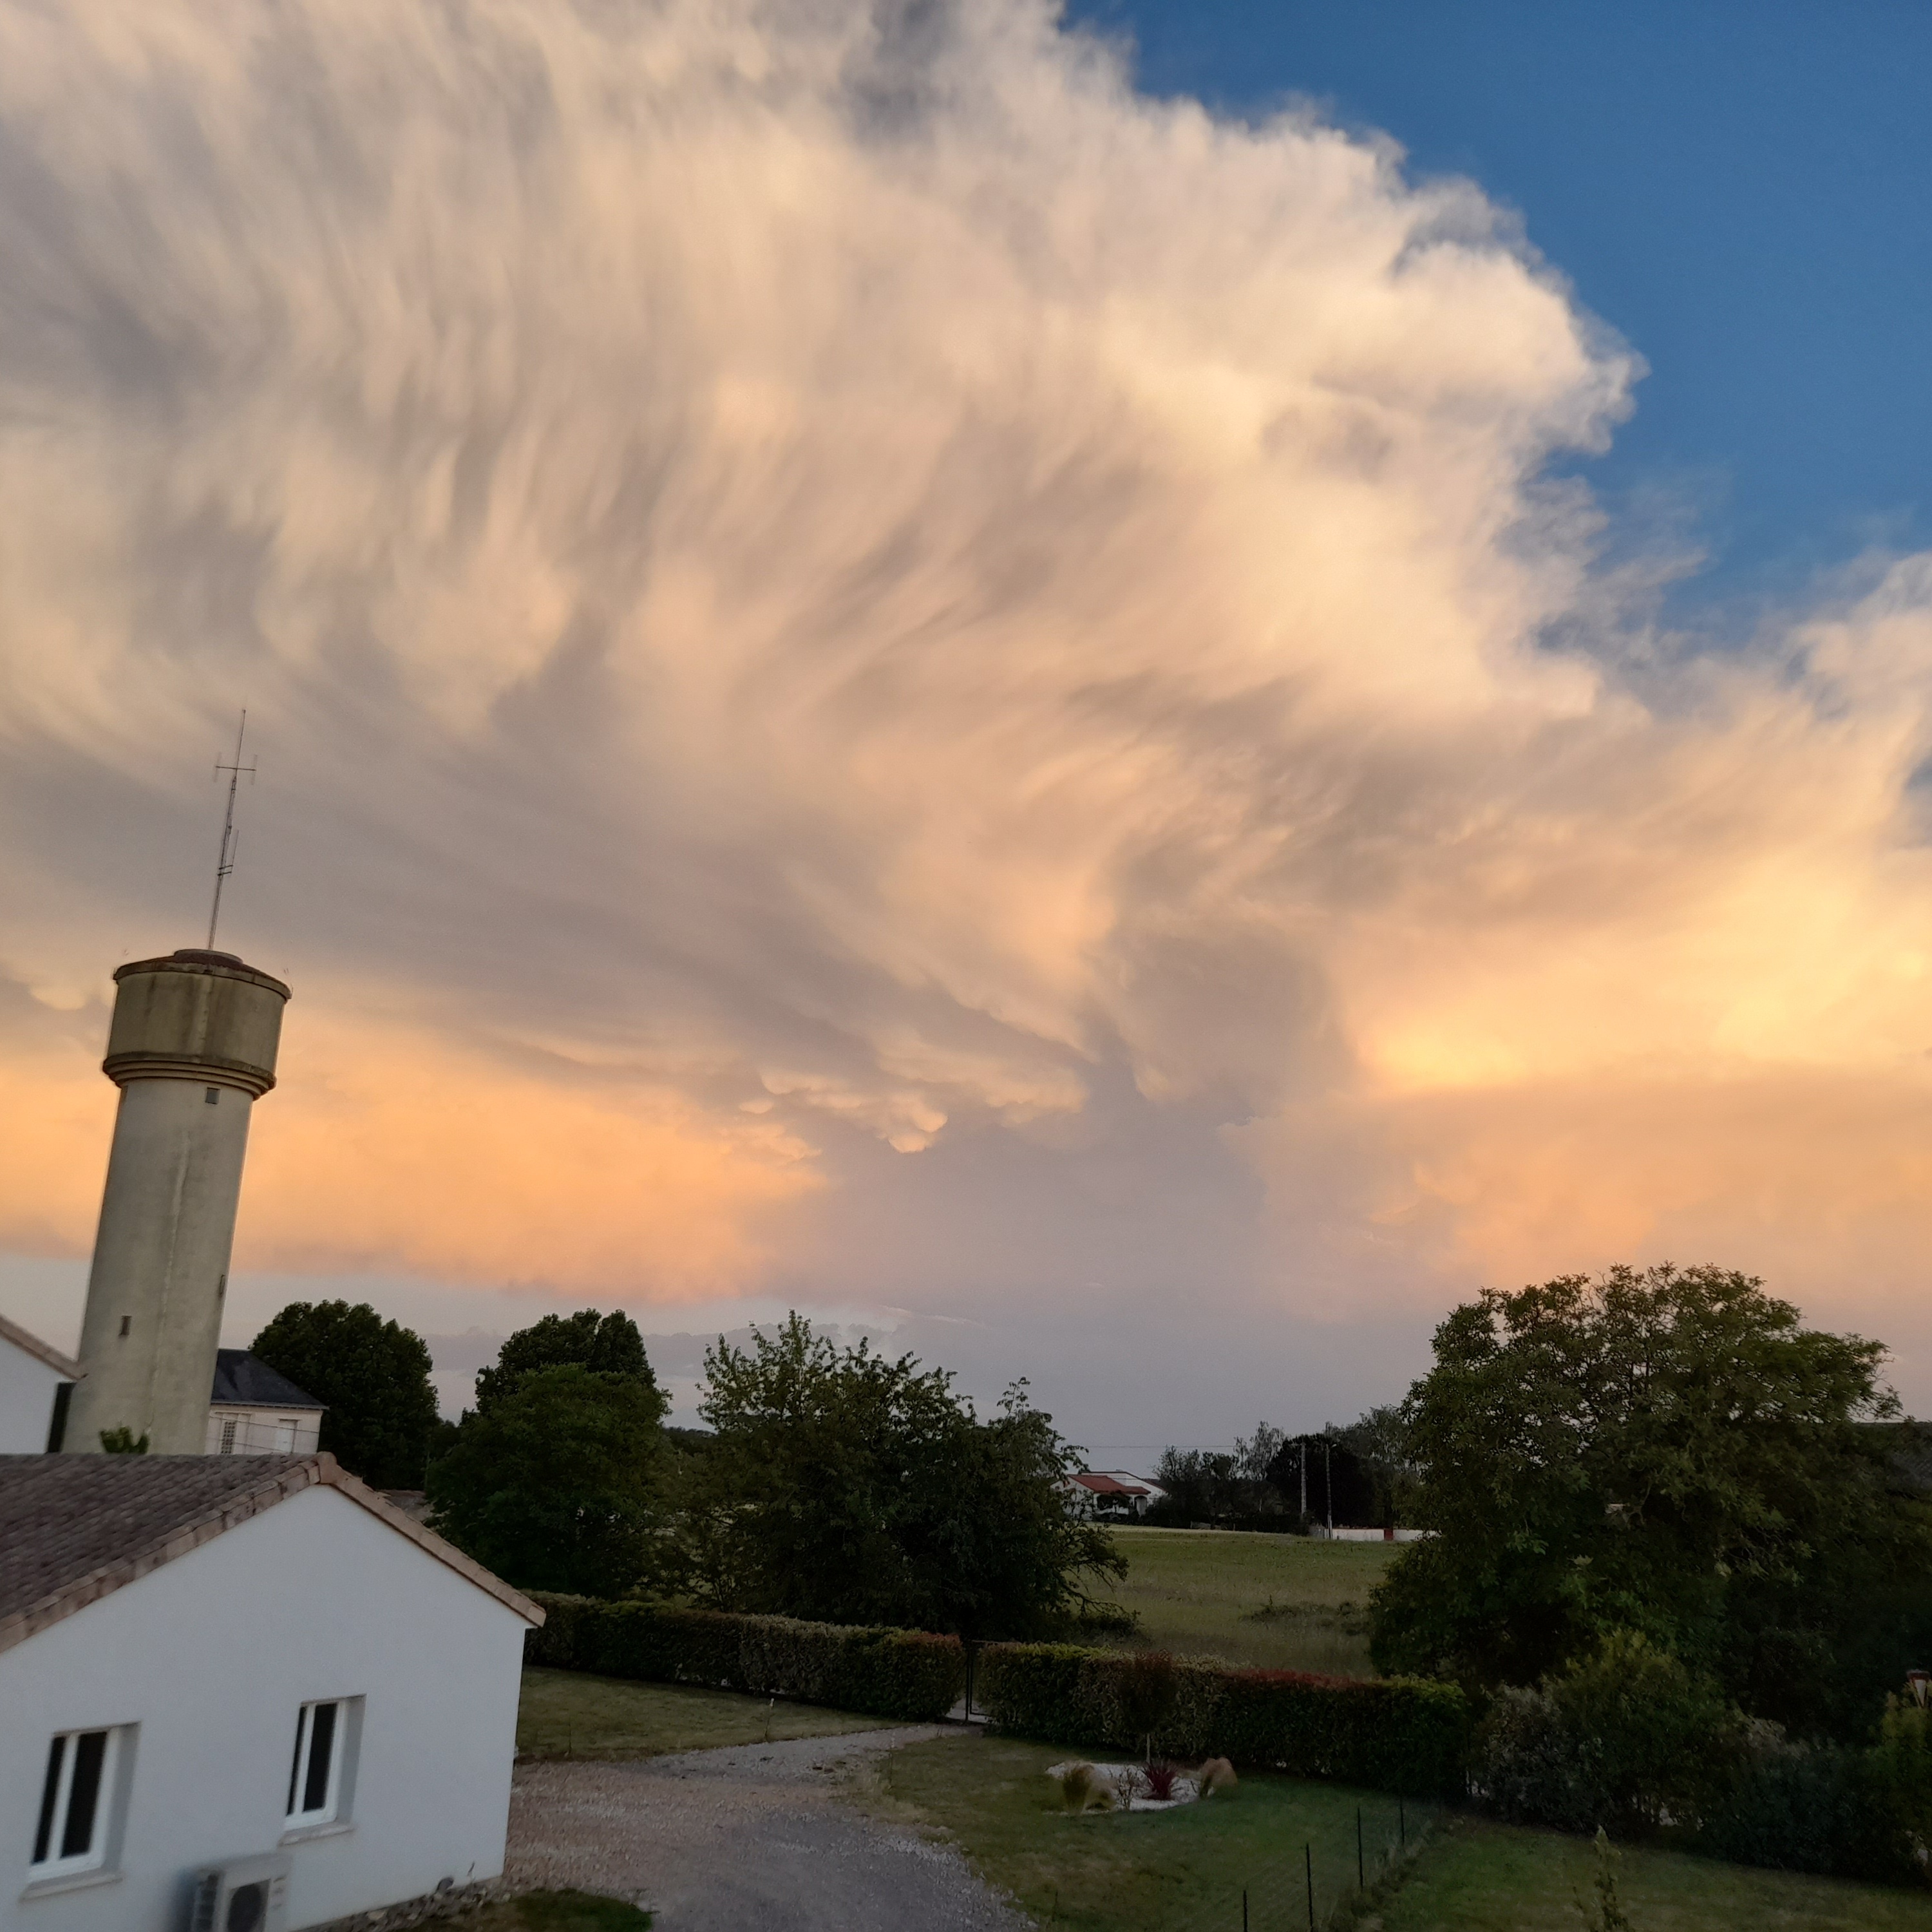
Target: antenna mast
226, 863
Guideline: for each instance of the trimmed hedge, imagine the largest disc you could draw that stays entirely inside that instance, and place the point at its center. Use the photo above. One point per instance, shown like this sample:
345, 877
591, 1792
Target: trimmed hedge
1398, 1734
882, 1673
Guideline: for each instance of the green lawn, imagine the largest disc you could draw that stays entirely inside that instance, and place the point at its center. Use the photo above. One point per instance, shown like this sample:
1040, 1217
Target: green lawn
1287, 1602
1185, 1870
1158, 1871
1483, 1877
570, 1713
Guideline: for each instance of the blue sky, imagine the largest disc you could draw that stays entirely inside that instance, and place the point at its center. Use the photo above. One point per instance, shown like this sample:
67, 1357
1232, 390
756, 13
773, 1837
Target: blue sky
1743, 190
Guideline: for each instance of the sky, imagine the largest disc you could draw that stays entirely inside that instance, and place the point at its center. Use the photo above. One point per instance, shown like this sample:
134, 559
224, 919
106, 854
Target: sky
1738, 188
1128, 700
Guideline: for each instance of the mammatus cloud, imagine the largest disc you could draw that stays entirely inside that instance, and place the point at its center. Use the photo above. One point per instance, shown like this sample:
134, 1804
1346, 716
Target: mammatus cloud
882, 665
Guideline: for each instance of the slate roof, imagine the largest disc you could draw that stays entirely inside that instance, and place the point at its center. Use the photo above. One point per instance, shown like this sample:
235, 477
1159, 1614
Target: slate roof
242, 1381
32, 1344
74, 1529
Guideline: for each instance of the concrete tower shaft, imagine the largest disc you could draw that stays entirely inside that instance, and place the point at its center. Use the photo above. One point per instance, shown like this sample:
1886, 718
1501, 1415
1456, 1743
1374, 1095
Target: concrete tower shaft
192, 1048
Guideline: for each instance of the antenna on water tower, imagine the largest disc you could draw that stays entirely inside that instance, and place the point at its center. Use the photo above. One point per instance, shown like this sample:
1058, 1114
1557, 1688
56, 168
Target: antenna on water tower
192, 1046
226, 863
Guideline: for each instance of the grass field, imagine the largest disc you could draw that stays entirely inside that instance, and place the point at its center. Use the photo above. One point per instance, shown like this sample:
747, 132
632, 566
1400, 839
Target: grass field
1483, 1877
1172, 1871
1287, 1602
1186, 1871
569, 1714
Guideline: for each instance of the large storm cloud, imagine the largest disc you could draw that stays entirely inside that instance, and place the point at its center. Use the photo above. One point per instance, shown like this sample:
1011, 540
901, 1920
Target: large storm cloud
886, 671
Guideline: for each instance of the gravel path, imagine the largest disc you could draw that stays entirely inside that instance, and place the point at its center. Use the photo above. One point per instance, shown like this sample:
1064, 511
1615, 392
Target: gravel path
754, 1836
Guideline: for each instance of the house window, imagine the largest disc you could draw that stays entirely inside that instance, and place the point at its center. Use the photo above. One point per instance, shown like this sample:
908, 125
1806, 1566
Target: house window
228, 1437
285, 1436
315, 1776
71, 1834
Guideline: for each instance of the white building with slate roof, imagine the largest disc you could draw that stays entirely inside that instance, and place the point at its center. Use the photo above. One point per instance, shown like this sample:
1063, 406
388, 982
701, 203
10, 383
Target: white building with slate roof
255, 1410
241, 1684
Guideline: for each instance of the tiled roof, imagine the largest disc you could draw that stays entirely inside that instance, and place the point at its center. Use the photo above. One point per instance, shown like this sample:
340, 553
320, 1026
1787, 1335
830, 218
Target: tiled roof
32, 1344
1105, 1485
73, 1528
242, 1380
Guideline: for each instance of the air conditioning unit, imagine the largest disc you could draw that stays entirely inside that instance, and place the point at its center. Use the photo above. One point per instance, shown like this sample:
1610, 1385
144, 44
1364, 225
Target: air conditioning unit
244, 1895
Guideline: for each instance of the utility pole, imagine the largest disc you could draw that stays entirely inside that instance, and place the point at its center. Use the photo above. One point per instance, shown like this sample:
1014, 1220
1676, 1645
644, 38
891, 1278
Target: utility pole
1328, 1480
1303, 1459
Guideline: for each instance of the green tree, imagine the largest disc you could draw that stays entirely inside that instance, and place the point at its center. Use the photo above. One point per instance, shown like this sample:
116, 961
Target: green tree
554, 1486
606, 1344
1667, 1452
373, 1374
855, 1488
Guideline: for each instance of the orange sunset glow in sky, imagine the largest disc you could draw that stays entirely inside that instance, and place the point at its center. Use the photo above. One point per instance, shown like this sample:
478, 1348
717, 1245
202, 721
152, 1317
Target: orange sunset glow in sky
893, 676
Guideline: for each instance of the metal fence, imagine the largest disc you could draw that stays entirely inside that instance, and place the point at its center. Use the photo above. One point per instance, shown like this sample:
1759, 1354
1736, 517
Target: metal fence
1306, 1884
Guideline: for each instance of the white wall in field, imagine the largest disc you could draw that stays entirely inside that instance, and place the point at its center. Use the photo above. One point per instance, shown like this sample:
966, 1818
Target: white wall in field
211, 1657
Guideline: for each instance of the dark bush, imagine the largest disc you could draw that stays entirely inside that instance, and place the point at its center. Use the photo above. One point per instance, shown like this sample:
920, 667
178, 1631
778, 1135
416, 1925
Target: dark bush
883, 1673
1627, 1738
1632, 1740
1402, 1734
1809, 1808
1148, 1687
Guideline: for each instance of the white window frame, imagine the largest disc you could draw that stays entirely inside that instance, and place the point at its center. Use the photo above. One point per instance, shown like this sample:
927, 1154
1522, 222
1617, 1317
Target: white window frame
95, 1856
228, 1431
326, 1813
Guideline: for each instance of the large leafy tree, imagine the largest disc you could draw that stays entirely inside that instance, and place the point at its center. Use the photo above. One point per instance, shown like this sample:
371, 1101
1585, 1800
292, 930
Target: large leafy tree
554, 1486
1669, 1452
856, 1489
606, 1344
374, 1376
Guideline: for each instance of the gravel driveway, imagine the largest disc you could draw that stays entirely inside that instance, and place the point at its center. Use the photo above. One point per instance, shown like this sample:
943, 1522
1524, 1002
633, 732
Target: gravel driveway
756, 1836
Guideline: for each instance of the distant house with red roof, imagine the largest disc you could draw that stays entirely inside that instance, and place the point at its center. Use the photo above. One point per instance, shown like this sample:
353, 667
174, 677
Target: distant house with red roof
1116, 1493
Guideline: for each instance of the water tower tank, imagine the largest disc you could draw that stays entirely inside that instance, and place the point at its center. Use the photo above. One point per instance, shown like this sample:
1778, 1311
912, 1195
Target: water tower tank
192, 1048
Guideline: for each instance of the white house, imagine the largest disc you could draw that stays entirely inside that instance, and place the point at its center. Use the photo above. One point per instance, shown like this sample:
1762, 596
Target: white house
1112, 1493
32, 1376
254, 1411
251, 1666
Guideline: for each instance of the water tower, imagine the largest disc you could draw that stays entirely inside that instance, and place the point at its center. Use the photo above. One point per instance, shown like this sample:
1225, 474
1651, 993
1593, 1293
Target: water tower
192, 1048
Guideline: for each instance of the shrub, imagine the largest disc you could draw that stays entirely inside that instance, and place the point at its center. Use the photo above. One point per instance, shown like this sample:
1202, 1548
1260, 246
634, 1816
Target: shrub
1391, 1735
1829, 1809
1148, 1688
1808, 1808
1627, 1738
1900, 1771
1528, 1768
883, 1673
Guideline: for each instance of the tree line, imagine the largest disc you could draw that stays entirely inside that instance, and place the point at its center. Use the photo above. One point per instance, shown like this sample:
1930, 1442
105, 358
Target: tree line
1359, 1475
1659, 1476
842, 1486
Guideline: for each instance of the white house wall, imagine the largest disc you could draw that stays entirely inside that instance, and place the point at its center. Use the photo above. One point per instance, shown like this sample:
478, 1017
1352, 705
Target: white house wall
263, 1432
211, 1655
27, 1387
